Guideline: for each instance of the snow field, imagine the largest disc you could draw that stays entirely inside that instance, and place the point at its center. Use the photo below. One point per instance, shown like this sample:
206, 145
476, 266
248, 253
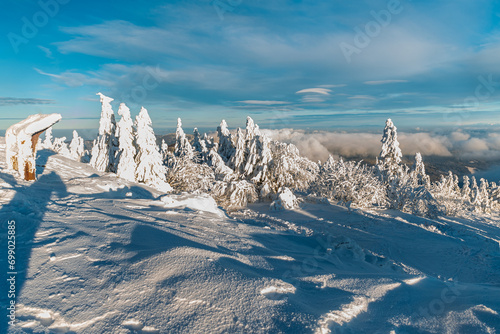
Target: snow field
106, 255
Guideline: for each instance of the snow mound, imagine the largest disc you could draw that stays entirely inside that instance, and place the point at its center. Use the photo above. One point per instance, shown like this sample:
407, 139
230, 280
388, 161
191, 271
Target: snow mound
201, 202
278, 291
286, 201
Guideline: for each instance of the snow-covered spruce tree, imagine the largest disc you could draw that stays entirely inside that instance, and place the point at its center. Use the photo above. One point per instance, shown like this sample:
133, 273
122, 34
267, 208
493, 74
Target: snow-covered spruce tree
125, 133
164, 150
105, 146
238, 159
200, 147
466, 192
210, 142
258, 157
418, 175
77, 146
47, 143
494, 193
390, 156
483, 203
289, 169
150, 169
350, 183
226, 147
182, 146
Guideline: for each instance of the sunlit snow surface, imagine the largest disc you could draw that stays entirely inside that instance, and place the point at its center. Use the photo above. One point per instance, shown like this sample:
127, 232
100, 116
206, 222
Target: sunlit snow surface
98, 254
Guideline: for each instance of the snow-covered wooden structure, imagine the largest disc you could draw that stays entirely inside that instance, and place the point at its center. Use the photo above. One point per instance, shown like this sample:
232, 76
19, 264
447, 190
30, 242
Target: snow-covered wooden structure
22, 139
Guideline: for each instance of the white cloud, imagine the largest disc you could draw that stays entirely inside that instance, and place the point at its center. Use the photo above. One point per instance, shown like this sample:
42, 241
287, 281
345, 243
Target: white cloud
320, 144
383, 82
323, 91
259, 102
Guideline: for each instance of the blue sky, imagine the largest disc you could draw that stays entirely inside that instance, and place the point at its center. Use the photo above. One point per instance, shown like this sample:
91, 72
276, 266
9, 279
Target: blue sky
299, 64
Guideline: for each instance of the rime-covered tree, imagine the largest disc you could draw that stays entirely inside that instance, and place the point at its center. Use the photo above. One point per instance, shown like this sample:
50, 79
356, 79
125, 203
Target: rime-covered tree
182, 146
164, 150
150, 169
466, 192
449, 195
221, 171
234, 194
47, 143
349, 182
199, 147
77, 146
105, 146
61, 147
258, 155
237, 162
418, 175
125, 133
289, 169
226, 147
390, 156
184, 174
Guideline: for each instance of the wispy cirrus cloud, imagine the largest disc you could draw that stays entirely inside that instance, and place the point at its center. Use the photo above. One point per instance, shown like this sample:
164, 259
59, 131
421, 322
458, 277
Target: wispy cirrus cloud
383, 82
11, 101
265, 103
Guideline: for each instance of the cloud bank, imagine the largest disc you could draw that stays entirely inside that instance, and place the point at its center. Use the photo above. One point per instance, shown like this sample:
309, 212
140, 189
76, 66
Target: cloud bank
320, 144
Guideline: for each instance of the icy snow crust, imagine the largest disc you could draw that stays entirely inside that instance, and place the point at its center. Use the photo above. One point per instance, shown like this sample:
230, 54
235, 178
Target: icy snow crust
99, 254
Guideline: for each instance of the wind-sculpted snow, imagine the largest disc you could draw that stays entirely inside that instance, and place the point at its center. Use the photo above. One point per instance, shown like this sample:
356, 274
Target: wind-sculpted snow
101, 254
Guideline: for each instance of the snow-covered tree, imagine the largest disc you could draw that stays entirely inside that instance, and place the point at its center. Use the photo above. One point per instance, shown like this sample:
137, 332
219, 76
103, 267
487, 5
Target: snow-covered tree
125, 133
61, 147
466, 192
238, 159
390, 156
449, 195
77, 146
185, 175
182, 146
350, 183
150, 169
226, 147
164, 150
105, 146
200, 147
234, 194
21, 143
289, 169
221, 170
258, 155
47, 143
418, 175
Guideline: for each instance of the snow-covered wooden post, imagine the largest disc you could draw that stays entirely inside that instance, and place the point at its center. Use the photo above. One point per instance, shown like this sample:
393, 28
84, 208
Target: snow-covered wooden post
22, 139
